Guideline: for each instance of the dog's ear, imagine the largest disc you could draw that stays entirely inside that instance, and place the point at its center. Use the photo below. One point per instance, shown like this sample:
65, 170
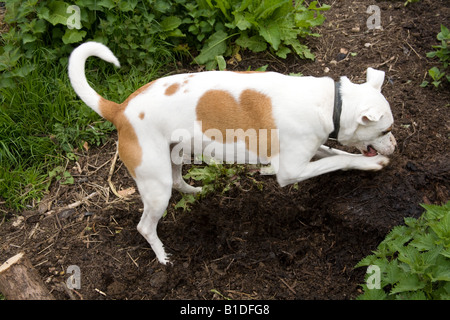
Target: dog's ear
375, 78
370, 115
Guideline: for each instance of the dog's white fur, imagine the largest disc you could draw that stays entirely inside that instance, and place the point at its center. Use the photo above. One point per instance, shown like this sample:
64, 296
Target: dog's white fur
300, 108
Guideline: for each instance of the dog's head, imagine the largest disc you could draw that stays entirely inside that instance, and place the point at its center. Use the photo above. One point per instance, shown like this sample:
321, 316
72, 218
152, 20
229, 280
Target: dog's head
366, 118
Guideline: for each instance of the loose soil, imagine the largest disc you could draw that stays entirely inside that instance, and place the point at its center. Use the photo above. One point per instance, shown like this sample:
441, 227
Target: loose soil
253, 243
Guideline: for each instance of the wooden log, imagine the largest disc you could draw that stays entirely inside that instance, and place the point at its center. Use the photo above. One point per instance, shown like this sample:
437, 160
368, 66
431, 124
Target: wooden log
20, 281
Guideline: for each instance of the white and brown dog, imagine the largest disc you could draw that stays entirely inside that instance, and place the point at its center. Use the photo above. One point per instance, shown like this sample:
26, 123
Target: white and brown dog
275, 118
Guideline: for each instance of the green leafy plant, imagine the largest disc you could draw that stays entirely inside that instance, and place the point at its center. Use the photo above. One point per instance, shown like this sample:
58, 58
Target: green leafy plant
414, 259
135, 30
142, 33
215, 177
61, 175
443, 53
437, 76
255, 24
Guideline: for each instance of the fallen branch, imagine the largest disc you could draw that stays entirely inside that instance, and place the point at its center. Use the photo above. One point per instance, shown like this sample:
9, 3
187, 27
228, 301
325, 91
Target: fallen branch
122, 194
72, 205
111, 171
19, 280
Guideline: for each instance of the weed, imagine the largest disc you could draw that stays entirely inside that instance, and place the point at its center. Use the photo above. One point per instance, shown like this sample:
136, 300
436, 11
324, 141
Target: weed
414, 259
443, 53
215, 178
61, 175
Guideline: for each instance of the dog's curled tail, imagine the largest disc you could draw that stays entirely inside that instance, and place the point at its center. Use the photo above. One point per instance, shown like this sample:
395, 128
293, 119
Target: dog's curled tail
77, 76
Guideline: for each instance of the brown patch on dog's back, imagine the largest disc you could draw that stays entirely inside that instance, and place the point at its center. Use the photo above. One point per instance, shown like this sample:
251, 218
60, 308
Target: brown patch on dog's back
219, 110
172, 89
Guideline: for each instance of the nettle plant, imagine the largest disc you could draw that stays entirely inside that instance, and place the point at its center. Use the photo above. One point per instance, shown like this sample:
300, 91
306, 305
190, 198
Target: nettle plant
413, 262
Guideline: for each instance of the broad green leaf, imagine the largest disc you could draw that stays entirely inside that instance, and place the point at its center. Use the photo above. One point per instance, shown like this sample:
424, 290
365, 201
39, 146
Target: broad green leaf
11, 54
414, 295
424, 241
441, 273
442, 227
300, 49
270, 7
254, 43
170, 23
271, 33
391, 273
215, 46
40, 26
221, 63
283, 51
323, 7
242, 22
444, 34
434, 211
446, 252
57, 13
262, 68
73, 36
410, 282
244, 5
367, 261
128, 5
373, 294
408, 255
28, 37
108, 4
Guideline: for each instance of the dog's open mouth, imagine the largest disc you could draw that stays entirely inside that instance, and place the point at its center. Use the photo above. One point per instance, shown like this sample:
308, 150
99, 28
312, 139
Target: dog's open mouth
370, 152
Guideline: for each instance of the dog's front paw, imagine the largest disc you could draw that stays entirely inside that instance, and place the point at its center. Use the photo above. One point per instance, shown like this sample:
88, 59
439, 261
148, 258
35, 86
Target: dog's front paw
375, 163
384, 161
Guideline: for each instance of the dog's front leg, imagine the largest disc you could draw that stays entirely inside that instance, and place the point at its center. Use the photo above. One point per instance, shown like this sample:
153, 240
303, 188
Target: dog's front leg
325, 151
291, 172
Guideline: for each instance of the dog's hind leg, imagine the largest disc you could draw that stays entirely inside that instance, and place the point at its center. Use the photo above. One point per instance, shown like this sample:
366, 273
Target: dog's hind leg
155, 196
155, 186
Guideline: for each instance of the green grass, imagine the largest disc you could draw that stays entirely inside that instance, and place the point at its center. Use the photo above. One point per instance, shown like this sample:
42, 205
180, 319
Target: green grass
42, 122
